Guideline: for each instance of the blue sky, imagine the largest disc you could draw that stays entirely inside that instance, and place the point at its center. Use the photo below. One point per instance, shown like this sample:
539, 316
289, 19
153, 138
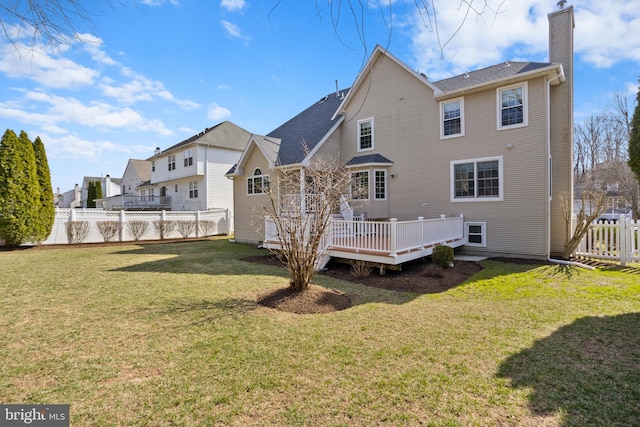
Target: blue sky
151, 73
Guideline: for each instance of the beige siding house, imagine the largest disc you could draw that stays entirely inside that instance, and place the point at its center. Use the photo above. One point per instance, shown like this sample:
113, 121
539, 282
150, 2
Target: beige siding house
491, 149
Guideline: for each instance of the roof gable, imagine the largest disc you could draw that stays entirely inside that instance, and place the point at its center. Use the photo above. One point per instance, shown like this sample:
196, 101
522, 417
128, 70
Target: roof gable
223, 135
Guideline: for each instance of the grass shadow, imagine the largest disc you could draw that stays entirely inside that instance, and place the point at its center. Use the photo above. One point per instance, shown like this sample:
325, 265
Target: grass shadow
211, 310
587, 370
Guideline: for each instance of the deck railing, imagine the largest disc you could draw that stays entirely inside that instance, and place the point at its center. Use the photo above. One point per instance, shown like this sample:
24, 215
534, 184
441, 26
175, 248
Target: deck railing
385, 237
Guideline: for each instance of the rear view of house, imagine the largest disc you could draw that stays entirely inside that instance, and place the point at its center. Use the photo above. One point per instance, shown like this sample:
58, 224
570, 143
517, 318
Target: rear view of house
491, 146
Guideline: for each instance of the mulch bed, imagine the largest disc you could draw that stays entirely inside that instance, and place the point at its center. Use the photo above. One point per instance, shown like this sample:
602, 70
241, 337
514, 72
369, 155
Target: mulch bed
421, 277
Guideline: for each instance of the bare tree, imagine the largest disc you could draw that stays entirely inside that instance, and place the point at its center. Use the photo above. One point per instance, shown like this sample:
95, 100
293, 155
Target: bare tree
597, 202
49, 21
301, 202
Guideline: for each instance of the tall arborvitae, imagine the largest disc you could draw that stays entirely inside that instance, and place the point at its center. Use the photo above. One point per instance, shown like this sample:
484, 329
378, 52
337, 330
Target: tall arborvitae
91, 194
98, 191
19, 189
46, 208
634, 138
32, 185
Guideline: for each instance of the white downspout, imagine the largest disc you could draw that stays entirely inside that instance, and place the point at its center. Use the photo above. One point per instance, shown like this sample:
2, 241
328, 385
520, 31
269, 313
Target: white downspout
549, 183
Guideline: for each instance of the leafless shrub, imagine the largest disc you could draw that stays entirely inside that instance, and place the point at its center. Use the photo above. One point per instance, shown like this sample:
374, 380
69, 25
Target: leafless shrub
360, 269
163, 227
77, 231
108, 230
597, 200
207, 228
137, 229
185, 228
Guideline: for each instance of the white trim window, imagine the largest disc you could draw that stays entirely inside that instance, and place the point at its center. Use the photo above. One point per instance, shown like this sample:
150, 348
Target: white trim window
475, 234
193, 189
380, 184
365, 134
512, 106
452, 118
360, 185
171, 161
258, 183
188, 157
477, 179
153, 166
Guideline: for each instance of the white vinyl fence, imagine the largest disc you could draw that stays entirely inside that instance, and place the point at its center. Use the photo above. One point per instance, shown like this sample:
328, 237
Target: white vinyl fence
198, 224
612, 240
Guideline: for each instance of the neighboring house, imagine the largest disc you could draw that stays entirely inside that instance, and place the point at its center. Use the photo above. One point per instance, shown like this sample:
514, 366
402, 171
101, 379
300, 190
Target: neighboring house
68, 199
190, 175
110, 187
494, 145
137, 173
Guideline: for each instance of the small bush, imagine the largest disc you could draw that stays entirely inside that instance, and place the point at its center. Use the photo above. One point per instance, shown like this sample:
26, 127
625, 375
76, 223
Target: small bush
207, 228
163, 228
443, 256
108, 230
185, 228
77, 231
137, 229
360, 269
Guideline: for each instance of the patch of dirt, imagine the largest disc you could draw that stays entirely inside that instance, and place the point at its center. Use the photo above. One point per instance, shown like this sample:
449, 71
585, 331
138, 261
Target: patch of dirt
314, 300
421, 277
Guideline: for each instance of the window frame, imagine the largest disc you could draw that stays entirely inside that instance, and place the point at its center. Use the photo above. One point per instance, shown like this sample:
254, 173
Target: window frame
482, 234
476, 198
360, 136
355, 180
525, 105
384, 183
171, 162
193, 189
257, 189
459, 100
188, 157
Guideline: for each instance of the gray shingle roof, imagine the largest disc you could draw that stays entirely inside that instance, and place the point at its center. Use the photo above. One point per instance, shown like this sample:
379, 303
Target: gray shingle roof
489, 74
307, 129
369, 158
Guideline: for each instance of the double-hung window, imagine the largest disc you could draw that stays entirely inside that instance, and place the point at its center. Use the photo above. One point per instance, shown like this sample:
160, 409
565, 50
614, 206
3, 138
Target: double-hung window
512, 106
188, 157
171, 160
360, 185
477, 179
258, 183
365, 134
452, 118
193, 189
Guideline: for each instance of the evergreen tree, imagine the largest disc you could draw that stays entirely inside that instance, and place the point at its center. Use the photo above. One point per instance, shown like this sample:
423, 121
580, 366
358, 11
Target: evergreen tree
98, 191
19, 189
634, 139
46, 208
91, 194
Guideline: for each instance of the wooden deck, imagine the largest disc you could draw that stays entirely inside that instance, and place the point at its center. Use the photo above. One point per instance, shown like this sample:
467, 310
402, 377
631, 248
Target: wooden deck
384, 242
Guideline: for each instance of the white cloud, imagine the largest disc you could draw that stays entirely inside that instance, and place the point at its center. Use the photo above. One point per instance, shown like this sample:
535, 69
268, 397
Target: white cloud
216, 112
232, 5
232, 29
605, 34
47, 69
93, 45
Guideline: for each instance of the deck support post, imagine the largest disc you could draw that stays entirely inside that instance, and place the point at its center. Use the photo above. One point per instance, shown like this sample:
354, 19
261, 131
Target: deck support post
393, 238
444, 229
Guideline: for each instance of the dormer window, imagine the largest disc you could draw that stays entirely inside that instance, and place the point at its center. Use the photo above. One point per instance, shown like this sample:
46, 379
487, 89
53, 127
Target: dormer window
365, 134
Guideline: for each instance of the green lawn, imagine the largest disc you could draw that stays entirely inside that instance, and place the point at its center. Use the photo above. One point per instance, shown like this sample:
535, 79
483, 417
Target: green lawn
170, 334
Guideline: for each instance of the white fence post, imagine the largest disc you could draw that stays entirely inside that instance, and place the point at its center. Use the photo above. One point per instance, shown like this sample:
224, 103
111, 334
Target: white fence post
623, 239
123, 221
197, 223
